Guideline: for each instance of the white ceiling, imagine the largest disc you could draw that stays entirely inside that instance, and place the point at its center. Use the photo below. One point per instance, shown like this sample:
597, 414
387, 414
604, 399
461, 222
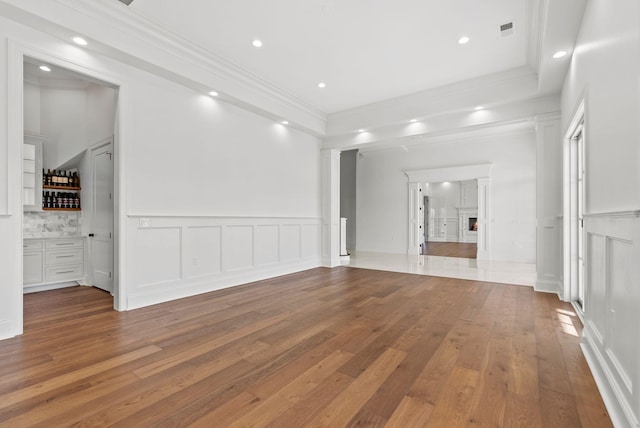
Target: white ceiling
365, 50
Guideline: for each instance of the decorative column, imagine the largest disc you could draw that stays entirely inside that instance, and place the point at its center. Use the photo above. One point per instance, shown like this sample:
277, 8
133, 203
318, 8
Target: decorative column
548, 203
484, 218
331, 208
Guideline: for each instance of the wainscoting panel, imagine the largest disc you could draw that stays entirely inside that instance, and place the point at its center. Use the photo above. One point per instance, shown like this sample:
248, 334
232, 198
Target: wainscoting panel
596, 285
549, 256
623, 319
310, 240
158, 256
204, 255
267, 248
169, 257
237, 248
290, 242
611, 338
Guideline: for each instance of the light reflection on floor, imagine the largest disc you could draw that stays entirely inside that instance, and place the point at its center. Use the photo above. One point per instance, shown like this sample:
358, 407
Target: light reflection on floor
451, 267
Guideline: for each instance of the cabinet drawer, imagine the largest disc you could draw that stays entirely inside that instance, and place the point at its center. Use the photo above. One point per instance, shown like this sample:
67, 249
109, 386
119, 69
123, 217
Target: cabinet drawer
64, 273
64, 243
32, 245
72, 256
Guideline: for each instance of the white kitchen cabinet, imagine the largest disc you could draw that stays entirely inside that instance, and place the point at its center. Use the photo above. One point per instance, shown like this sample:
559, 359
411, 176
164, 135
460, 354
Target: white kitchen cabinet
53, 262
33, 254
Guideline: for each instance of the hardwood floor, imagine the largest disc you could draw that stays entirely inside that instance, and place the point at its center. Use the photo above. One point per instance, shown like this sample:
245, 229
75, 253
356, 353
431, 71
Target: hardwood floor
464, 250
325, 347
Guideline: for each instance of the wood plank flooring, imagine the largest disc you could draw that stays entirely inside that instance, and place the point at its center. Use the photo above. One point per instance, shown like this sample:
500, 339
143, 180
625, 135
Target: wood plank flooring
464, 250
321, 348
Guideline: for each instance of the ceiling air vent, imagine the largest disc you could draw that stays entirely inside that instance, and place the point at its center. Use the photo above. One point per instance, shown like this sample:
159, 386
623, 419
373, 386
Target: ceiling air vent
127, 2
506, 29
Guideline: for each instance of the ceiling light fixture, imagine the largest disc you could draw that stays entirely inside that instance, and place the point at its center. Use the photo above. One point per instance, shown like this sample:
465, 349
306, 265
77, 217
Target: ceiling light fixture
213, 93
413, 120
479, 108
45, 68
285, 122
322, 85
463, 40
559, 54
360, 130
257, 43
80, 41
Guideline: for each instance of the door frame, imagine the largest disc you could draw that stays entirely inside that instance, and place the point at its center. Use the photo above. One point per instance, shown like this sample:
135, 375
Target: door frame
16, 53
571, 268
479, 172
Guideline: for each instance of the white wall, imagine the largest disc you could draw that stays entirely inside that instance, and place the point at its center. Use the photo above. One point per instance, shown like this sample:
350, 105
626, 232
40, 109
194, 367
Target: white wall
101, 110
348, 192
191, 154
63, 114
605, 71
382, 191
189, 166
32, 107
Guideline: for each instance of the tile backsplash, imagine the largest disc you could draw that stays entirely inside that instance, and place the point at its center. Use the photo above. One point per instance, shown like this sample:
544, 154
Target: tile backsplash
52, 224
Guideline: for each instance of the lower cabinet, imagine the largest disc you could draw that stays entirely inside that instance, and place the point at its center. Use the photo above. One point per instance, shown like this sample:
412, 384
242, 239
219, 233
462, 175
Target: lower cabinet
52, 261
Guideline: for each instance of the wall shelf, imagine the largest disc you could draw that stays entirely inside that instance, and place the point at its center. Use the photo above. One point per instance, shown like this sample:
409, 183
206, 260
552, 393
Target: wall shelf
62, 209
61, 188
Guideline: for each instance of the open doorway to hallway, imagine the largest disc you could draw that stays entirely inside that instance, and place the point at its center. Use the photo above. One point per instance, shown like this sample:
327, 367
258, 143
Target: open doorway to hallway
450, 219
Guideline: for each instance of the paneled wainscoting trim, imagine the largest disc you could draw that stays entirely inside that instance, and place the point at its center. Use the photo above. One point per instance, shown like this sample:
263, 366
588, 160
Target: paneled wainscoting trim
549, 266
171, 257
611, 341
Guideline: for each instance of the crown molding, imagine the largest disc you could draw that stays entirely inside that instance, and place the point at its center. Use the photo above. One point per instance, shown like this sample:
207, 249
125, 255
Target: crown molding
498, 88
117, 31
465, 136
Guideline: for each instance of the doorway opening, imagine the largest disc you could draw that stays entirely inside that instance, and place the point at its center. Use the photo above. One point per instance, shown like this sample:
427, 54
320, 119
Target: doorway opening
450, 219
70, 221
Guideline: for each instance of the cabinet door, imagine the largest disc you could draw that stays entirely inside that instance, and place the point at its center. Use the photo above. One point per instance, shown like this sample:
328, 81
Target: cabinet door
33, 268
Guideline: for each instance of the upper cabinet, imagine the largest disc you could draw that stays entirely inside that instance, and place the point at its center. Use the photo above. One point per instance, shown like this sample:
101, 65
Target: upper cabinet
32, 171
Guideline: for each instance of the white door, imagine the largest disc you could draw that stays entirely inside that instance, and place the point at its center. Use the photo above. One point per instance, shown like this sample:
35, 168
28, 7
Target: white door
102, 226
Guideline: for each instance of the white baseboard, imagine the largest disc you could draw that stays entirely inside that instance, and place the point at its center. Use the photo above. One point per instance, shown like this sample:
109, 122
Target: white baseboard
619, 409
47, 287
187, 288
543, 286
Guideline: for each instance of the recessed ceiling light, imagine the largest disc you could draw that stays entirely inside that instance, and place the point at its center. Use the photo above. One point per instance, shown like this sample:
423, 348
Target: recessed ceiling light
213, 93
360, 130
322, 85
463, 40
44, 68
559, 54
285, 122
79, 41
479, 108
257, 43
413, 120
